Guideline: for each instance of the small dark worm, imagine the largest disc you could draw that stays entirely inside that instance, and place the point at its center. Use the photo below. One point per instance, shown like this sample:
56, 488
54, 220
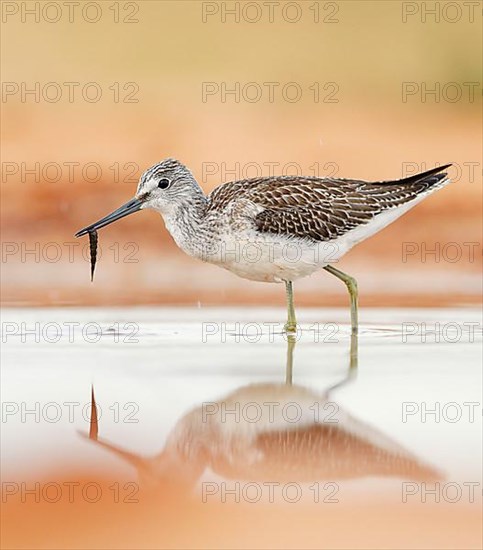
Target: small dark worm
93, 248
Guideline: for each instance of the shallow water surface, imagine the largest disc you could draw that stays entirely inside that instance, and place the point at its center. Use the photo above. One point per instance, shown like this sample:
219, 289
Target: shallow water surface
215, 430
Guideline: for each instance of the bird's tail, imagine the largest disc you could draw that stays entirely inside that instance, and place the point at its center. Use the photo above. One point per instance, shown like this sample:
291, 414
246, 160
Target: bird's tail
433, 178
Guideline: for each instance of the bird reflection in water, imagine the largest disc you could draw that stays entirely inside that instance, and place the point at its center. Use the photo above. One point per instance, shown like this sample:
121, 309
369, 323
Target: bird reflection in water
278, 432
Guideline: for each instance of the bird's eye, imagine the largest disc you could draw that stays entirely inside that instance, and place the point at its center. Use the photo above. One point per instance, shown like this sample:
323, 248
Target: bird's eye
163, 183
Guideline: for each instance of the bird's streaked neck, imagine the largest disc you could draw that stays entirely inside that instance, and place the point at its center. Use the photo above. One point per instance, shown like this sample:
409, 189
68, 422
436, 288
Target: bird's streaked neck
185, 222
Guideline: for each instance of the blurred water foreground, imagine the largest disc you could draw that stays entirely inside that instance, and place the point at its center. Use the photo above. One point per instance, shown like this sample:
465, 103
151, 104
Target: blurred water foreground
210, 429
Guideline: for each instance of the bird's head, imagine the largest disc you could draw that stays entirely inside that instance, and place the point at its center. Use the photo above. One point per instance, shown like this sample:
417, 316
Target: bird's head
164, 187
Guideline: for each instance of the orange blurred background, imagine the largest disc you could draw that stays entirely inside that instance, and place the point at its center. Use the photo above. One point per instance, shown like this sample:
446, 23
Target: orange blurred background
384, 88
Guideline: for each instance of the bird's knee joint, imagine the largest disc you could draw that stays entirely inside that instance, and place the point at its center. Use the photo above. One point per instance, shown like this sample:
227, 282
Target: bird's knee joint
351, 284
290, 328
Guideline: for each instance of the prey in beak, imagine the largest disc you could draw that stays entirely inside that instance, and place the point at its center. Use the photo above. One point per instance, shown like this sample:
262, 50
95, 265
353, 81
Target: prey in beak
130, 207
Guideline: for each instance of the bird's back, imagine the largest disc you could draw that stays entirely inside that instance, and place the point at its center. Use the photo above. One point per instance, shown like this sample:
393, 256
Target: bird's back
321, 209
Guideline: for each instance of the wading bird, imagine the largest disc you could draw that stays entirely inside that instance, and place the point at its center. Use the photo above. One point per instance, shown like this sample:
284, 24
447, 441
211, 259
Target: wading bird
275, 229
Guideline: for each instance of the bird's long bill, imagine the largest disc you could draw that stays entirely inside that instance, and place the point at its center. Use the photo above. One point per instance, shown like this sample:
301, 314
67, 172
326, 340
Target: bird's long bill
128, 208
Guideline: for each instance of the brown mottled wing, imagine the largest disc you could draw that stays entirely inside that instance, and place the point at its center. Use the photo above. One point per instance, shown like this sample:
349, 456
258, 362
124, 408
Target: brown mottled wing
322, 212
322, 209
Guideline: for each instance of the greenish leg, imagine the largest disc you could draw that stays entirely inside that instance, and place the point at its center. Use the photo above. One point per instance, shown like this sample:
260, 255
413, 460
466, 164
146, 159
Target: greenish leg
291, 324
289, 366
351, 284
